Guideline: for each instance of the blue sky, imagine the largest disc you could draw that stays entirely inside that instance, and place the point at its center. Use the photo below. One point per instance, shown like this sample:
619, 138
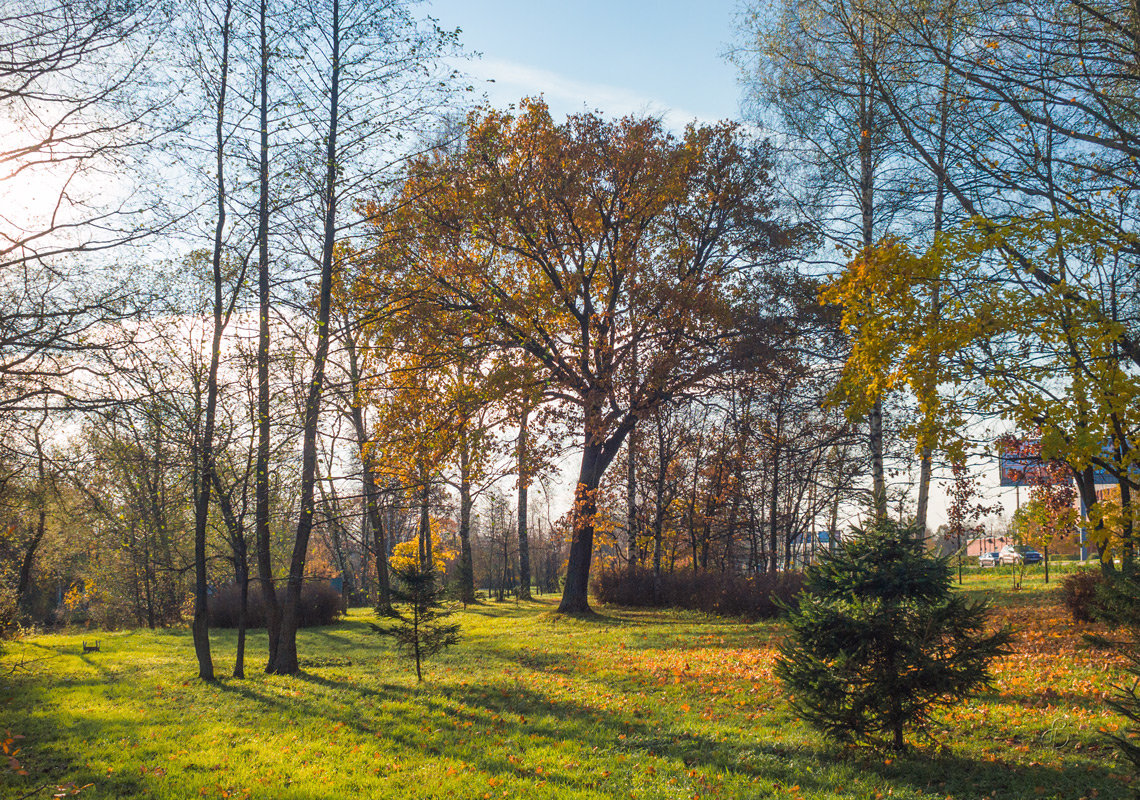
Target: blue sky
620, 57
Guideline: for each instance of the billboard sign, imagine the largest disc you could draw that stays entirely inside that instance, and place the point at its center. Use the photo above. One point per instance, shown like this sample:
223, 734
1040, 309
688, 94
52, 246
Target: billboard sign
1020, 464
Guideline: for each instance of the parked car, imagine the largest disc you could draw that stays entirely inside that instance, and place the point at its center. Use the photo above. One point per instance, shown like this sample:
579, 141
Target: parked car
989, 559
1019, 554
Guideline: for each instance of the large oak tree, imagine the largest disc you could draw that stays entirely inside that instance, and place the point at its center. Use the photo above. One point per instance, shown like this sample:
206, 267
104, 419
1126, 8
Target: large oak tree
585, 242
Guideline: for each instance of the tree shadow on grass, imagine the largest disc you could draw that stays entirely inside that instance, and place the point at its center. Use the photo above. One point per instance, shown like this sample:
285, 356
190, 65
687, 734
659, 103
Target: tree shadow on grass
469, 715
951, 774
1045, 698
492, 727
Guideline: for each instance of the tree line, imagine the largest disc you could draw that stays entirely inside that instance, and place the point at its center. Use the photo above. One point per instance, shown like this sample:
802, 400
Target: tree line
286, 314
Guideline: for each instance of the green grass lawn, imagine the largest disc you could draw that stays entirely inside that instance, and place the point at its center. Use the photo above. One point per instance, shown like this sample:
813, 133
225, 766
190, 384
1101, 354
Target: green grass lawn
631, 704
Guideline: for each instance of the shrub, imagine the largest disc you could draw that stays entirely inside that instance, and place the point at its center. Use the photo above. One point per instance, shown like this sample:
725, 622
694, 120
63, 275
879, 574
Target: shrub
723, 593
1117, 603
320, 605
1080, 591
879, 640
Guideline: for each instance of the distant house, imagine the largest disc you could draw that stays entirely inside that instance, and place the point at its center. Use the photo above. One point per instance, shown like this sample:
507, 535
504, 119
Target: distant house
804, 547
987, 543
990, 543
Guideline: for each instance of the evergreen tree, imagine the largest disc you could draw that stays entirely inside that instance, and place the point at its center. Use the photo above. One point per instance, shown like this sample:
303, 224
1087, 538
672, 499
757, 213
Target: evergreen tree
418, 628
879, 640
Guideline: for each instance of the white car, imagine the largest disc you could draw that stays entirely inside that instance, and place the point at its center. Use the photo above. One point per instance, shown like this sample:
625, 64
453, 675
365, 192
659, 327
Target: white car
1019, 554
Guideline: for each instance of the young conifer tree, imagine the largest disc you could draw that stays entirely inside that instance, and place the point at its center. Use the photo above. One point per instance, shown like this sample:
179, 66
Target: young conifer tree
418, 613
879, 640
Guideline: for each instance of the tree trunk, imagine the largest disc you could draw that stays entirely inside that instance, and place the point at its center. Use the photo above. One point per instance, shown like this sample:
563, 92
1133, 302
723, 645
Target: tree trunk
878, 476
867, 124
833, 529
286, 657
425, 525
773, 515
371, 501
659, 510
524, 488
201, 624
924, 473
466, 559
24, 583
1127, 532
148, 583
236, 529
261, 470
631, 502
243, 612
574, 596
926, 457
597, 453
1086, 489
380, 540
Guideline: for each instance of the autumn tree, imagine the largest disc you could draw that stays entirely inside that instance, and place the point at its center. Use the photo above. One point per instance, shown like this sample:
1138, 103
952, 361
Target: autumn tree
1049, 516
369, 77
362, 333
904, 337
1046, 355
810, 68
1044, 166
965, 509
583, 241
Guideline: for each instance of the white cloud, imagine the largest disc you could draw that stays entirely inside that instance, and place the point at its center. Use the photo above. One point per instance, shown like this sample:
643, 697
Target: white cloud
513, 81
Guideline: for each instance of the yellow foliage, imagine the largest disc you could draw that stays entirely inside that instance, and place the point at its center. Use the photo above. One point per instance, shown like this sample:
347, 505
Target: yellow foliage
903, 332
406, 554
73, 599
76, 597
319, 565
1108, 511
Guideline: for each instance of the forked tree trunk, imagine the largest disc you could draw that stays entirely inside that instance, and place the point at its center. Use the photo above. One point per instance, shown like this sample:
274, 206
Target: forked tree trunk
236, 529
24, 583
597, 453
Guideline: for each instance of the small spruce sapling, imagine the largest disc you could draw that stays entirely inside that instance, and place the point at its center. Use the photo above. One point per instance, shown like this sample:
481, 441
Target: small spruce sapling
879, 640
417, 614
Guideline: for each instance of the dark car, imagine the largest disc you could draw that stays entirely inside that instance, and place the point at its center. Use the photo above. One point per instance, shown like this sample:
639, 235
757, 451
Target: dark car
989, 559
1019, 554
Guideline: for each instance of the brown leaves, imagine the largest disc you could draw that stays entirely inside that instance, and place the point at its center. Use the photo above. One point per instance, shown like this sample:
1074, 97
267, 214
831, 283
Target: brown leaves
9, 750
